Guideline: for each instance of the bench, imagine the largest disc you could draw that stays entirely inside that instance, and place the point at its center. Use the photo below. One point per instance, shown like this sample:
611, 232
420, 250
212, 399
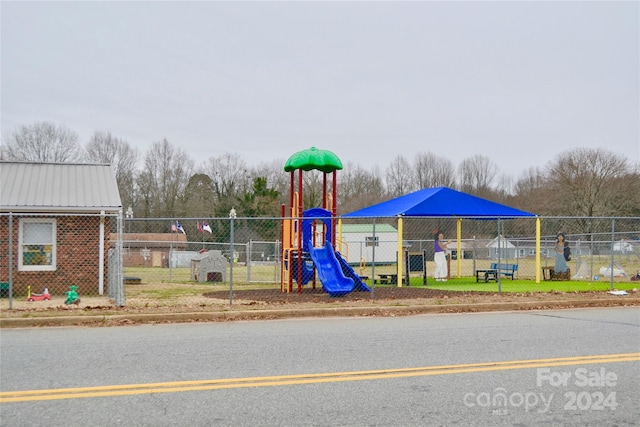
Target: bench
505, 269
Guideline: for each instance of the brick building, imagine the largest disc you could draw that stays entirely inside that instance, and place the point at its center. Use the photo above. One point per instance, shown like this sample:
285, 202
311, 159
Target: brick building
58, 218
149, 249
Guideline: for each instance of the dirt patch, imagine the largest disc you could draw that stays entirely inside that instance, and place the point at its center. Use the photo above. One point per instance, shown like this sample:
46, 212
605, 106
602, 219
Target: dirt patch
396, 295
320, 296
148, 307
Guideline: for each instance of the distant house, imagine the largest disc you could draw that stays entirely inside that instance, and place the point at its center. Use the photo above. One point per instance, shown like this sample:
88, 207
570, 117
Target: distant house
358, 242
58, 218
502, 248
623, 247
150, 249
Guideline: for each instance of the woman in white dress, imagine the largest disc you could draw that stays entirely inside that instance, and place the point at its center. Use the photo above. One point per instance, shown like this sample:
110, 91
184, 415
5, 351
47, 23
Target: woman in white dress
439, 256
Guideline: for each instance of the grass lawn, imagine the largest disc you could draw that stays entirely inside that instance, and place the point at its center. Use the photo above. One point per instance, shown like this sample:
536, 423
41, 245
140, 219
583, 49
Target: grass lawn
469, 284
177, 282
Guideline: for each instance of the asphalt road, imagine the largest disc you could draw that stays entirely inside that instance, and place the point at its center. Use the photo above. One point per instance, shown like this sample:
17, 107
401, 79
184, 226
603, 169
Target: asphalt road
565, 367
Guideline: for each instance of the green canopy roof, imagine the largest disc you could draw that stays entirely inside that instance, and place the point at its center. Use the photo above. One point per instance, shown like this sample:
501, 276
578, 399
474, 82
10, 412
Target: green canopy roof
313, 158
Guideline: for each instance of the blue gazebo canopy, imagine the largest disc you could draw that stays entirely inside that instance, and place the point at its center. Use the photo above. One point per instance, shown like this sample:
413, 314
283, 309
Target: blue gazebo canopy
439, 201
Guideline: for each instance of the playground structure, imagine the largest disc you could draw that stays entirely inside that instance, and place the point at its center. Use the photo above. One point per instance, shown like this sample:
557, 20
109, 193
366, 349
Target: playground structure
308, 236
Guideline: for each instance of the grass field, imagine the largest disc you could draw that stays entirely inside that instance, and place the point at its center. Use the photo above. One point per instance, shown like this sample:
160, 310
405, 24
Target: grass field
265, 277
508, 285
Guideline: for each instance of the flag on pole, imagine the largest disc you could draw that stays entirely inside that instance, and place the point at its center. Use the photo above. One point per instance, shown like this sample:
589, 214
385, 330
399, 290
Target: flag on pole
199, 227
205, 226
173, 228
179, 227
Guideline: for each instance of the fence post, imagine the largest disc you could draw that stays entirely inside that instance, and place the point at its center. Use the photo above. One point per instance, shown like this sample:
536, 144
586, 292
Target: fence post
248, 258
101, 255
119, 291
232, 216
613, 240
11, 260
591, 249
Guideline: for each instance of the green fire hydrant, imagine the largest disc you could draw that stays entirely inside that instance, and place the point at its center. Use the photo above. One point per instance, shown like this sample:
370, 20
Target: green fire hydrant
72, 296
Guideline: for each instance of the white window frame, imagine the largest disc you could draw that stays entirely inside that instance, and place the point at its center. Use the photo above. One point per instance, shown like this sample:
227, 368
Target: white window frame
372, 241
53, 243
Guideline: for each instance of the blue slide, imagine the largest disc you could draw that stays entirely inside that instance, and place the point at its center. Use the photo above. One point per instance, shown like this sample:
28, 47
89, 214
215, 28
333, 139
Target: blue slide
334, 282
349, 272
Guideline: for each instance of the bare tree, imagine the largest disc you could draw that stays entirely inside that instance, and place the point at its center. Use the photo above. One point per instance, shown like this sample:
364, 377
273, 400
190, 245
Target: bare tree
430, 170
477, 174
592, 182
398, 177
531, 191
312, 188
505, 186
163, 180
230, 179
359, 188
530, 180
105, 148
43, 142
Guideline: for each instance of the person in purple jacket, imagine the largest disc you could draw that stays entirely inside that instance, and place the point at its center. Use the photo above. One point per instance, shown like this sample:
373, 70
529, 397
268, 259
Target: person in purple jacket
439, 248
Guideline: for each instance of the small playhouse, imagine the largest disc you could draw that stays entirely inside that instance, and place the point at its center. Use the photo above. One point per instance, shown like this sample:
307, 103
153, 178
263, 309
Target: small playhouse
209, 266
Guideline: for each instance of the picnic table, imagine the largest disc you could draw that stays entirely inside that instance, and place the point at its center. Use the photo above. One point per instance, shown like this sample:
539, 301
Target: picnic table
548, 273
487, 274
388, 279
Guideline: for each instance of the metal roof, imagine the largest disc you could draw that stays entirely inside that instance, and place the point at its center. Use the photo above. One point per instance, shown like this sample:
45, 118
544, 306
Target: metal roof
152, 240
58, 187
368, 228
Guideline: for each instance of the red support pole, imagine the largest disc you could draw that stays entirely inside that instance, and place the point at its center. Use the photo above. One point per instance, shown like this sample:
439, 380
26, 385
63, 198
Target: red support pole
300, 231
292, 191
334, 209
324, 190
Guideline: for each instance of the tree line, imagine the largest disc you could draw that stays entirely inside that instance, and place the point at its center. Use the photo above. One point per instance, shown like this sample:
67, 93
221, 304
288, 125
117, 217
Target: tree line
165, 182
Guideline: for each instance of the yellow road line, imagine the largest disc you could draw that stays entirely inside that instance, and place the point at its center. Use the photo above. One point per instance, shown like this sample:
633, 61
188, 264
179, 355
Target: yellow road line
280, 380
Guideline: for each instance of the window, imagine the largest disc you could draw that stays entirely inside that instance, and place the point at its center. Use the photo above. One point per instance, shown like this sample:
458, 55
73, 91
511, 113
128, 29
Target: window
37, 245
371, 241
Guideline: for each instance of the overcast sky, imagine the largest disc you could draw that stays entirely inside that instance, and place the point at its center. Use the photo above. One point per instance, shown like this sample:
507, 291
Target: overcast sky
519, 82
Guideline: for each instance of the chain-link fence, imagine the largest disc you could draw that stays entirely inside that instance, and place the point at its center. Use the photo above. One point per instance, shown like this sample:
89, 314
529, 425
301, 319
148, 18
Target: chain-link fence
262, 253
287, 256
600, 248
46, 256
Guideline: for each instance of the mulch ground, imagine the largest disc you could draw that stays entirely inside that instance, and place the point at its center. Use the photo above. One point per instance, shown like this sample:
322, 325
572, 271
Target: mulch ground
405, 295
